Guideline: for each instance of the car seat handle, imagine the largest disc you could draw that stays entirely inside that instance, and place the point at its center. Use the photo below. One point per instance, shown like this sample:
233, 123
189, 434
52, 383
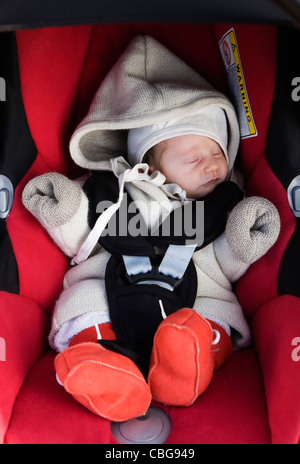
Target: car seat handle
6, 196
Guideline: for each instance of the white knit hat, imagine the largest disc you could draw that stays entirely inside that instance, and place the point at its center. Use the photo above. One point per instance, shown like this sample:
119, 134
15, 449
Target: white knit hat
209, 121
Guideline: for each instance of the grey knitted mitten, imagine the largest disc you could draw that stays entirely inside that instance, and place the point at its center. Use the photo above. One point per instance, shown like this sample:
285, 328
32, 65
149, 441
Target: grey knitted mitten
252, 228
52, 198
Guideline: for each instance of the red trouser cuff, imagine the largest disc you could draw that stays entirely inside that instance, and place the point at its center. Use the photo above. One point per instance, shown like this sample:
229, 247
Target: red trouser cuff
92, 334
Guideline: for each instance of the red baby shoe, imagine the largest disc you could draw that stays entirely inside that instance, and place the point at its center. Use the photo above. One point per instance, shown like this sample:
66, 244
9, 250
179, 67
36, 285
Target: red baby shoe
107, 383
183, 358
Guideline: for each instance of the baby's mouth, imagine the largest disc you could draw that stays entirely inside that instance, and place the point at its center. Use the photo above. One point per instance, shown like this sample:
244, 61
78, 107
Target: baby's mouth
211, 181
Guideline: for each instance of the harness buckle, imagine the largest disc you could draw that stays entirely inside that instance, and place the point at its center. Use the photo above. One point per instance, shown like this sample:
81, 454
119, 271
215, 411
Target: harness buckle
154, 277
6, 196
168, 274
293, 193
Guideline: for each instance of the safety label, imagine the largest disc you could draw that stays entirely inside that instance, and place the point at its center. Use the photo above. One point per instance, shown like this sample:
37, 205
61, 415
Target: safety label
232, 61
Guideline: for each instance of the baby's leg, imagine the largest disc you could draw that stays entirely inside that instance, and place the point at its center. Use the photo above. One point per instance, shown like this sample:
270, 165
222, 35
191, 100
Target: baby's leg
107, 383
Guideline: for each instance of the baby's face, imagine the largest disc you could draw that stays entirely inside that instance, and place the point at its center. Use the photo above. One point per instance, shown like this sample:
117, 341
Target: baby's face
194, 162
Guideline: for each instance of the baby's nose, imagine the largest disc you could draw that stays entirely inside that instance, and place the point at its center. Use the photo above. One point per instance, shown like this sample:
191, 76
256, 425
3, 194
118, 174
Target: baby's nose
211, 165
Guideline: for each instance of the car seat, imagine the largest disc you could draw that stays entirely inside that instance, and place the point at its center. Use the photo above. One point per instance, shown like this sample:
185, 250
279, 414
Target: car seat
48, 78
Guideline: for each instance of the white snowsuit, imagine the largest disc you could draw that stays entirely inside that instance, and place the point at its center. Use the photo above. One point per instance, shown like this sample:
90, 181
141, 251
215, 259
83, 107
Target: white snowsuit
148, 84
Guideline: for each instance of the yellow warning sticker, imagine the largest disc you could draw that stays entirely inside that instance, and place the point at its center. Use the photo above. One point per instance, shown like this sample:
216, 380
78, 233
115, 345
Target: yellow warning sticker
232, 61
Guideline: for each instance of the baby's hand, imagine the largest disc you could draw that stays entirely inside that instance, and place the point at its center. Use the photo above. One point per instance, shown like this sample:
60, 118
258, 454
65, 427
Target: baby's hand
52, 198
252, 228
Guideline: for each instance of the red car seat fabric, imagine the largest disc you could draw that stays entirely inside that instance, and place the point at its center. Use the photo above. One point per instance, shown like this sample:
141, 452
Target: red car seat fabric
233, 410
249, 400
279, 353
24, 327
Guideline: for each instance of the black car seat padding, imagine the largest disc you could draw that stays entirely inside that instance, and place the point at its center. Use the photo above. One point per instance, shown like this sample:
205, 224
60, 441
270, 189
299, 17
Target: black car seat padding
17, 150
283, 148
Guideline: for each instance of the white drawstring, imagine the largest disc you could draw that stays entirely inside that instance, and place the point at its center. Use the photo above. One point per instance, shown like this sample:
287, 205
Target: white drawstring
58, 381
217, 337
128, 175
162, 309
100, 225
98, 332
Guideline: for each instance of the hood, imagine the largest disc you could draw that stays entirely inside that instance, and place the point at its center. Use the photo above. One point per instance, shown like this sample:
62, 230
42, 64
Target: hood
147, 85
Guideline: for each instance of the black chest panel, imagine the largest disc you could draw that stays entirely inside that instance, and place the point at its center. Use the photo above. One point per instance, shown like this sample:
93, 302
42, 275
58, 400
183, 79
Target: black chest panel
102, 188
